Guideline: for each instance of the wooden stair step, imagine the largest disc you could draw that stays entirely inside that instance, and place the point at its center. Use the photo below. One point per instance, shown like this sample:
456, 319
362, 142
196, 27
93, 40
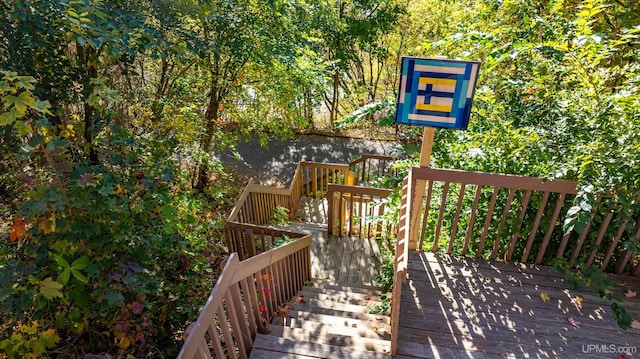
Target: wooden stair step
365, 307
338, 296
367, 321
352, 328
326, 337
286, 346
301, 310
327, 282
349, 288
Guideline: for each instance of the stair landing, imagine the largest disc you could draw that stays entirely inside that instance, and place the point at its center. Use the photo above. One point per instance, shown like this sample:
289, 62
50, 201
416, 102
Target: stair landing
341, 259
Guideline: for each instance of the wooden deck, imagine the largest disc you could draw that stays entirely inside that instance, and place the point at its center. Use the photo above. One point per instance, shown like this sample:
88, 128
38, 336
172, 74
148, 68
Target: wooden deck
466, 308
341, 259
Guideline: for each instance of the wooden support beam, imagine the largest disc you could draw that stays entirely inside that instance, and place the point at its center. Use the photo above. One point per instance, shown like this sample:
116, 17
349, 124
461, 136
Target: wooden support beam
425, 160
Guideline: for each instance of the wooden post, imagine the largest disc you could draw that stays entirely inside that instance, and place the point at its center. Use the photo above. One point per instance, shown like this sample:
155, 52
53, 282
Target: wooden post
425, 160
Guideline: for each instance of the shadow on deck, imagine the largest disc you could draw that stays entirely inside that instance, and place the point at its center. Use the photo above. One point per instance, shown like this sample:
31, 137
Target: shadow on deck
467, 308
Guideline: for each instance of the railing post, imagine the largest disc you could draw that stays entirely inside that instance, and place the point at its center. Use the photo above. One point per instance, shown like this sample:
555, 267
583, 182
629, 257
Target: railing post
331, 208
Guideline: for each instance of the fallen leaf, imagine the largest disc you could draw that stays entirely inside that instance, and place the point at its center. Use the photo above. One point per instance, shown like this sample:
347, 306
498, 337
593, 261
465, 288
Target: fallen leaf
18, 230
545, 297
630, 293
266, 277
368, 298
575, 323
635, 324
284, 311
577, 302
354, 325
300, 299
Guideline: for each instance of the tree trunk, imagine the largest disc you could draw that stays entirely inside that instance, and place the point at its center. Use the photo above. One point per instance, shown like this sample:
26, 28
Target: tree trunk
334, 100
201, 177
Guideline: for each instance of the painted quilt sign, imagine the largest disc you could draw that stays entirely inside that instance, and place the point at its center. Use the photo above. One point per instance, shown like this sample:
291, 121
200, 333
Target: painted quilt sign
436, 92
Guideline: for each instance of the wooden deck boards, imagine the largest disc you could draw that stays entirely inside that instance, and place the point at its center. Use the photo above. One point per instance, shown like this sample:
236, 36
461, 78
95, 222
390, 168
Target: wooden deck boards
478, 309
344, 260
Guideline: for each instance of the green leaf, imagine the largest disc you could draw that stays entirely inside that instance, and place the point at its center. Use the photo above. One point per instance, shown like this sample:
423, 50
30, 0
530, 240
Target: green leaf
81, 263
4, 86
8, 117
50, 289
61, 261
26, 82
79, 276
42, 107
63, 278
49, 338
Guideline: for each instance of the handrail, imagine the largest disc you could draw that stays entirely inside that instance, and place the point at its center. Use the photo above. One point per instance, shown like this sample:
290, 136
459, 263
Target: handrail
251, 291
347, 203
248, 240
365, 169
401, 258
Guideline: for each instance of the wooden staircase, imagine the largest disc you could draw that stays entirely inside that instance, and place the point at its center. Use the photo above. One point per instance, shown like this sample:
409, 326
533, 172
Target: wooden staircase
327, 320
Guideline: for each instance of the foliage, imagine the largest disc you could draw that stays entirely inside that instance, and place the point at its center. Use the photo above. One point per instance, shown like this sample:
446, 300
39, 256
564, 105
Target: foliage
593, 277
280, 216
385, 279
383, 307
95, 248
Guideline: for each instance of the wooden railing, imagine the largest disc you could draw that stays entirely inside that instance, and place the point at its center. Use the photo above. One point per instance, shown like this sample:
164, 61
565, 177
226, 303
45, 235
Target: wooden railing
244, 299
371, 167
401, 258
357, 211
314, 178
257, 202
248, 240
515, 218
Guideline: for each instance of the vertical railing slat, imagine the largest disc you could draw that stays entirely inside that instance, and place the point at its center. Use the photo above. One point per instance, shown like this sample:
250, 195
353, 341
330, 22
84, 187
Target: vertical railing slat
614, 244
487, 221
534, 228
552, 225
472, 220
505, 214
443, 205
517, 234
456, 218
238, 321
603, 229
215, 340
249, 296
425, 218
226, 333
